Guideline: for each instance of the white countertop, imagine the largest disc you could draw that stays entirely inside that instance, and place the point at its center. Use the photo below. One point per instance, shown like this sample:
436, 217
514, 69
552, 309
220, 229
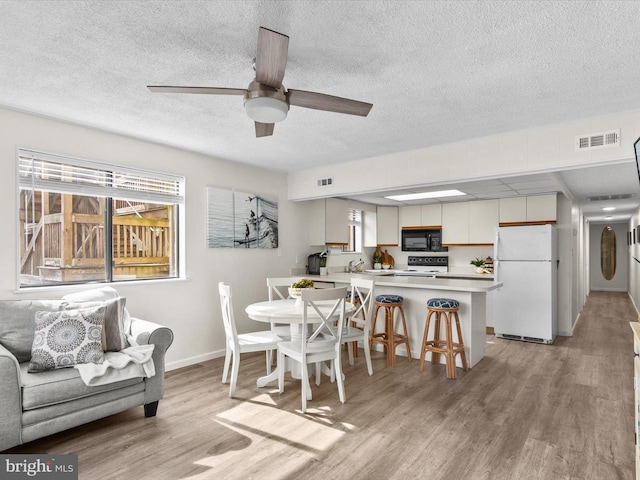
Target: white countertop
452, 284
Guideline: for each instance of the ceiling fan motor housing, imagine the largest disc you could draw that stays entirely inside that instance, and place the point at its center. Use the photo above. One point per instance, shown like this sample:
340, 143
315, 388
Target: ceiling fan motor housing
265, 104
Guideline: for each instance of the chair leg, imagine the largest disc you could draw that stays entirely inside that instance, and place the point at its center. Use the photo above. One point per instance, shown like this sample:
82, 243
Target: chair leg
281, 371
391, 345
463, 355
406, 332
269, 355
450, 356
227, 362
338, 363
234, 373
318, 373
304, 382
367, 354
435, 356
425, 337
350, 350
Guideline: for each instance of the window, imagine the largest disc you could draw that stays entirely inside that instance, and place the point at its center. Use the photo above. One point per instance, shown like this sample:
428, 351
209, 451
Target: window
82, 221
354, 222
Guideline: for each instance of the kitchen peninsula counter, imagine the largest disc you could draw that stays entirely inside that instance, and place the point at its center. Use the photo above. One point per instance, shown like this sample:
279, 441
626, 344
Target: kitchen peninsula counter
471, 294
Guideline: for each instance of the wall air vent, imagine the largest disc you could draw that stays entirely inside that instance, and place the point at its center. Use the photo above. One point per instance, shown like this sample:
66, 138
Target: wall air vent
598, 140
619, 196
325, 182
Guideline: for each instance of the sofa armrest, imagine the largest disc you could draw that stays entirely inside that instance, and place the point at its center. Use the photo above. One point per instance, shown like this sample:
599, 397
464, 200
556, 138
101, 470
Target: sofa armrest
11, 400
145, 332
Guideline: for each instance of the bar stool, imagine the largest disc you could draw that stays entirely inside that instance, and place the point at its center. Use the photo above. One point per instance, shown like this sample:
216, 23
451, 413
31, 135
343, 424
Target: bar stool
446, 307
389, 338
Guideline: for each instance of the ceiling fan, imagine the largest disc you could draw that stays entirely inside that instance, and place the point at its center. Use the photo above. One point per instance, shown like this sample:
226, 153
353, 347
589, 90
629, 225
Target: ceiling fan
266, 101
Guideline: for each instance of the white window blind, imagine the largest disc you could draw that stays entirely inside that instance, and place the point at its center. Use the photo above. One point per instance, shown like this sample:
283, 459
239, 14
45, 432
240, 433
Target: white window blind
354, 217
54, 173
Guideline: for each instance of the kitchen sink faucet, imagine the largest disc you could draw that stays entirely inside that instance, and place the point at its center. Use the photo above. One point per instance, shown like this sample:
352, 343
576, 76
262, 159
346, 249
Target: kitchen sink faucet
352, 268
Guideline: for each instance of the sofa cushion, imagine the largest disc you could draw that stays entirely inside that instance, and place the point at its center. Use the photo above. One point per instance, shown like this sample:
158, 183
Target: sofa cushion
57, 386
113, 333
66, 338
17, 324
100, 295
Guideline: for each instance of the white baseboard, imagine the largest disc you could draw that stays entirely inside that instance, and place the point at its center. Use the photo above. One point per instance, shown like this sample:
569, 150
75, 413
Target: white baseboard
185, 362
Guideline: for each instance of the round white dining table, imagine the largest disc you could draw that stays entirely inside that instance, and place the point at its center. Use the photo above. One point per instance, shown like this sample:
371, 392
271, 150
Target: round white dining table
289, 311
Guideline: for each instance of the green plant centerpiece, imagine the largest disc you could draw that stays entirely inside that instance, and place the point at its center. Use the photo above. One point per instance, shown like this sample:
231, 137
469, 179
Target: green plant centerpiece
479, 264
377, 261
295, 290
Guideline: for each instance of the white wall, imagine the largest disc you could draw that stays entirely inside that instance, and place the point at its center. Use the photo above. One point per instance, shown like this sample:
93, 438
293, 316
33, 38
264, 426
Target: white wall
190, 307
620, 281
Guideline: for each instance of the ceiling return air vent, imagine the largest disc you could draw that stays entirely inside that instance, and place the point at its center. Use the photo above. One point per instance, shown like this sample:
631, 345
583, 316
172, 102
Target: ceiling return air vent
598, 140
602, 198
325, 182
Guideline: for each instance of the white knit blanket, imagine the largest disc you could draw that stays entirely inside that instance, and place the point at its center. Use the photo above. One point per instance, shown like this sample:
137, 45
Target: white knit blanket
131, 362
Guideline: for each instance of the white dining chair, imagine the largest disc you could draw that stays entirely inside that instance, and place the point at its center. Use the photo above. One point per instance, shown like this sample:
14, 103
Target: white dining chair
236, 344
323, 344
358, 325
278, 289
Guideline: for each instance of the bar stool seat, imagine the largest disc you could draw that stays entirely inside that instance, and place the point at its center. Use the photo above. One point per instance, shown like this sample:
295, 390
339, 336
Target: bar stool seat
447, 308
389, 338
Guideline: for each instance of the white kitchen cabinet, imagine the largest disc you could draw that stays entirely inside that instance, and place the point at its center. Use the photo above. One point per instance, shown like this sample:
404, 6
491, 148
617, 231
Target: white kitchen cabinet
369, 227
455, 223
328, 222
410, 216
483, 220
429, 215
387, 228
469, 223
535, 208
513, 210
542, 208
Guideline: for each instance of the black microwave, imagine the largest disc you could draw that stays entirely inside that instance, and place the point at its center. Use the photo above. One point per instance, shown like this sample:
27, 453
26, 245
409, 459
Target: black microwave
422, 240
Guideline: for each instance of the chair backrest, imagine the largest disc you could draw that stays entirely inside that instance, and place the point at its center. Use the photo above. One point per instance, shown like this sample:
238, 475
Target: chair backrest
362, 288
279, 287
324, 308
227, 312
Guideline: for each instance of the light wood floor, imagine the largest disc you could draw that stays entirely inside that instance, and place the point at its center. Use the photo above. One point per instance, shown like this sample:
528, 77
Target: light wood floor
525, 411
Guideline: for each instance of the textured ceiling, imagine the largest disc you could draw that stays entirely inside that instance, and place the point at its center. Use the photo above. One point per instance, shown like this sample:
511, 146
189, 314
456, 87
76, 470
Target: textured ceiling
436, 72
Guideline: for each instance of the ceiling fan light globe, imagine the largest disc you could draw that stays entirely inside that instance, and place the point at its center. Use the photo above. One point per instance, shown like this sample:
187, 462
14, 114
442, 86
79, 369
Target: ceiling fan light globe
266, 109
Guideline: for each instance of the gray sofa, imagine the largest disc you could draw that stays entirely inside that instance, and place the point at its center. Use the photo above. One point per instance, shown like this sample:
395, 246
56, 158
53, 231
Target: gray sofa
34, 405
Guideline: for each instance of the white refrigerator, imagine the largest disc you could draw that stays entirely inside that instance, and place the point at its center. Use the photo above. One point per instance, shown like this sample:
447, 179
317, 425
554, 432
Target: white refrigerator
526, 262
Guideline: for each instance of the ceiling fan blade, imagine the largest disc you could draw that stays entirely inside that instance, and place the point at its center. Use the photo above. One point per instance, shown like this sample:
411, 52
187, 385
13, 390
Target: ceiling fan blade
320, 101
264, 129
206, 90
271, 57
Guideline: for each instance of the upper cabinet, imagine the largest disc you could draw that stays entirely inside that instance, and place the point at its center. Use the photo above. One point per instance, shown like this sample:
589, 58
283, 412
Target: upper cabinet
469, 223
369, 229
455, 223
538, 208
542, 208
387, 228
429, 215
328, 222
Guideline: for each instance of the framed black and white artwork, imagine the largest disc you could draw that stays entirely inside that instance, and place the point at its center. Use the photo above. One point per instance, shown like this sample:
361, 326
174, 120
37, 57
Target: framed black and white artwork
237, 219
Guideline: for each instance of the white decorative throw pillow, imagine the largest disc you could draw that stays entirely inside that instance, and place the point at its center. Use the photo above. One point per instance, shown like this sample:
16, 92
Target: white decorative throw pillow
66, 338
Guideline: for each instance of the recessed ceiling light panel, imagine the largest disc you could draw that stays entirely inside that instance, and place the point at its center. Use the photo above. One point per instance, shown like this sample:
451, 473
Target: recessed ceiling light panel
423, 195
